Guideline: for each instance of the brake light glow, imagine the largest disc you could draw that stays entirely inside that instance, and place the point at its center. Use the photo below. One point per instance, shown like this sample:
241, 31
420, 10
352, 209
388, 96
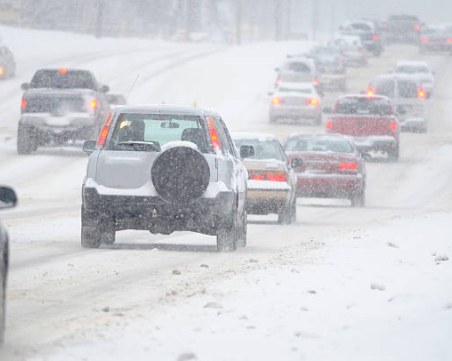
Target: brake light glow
329, 124
1, 71
375, 37
449, 40
316, 82
393, 125
370, 92
103, 134
213, 134
421, 93
424, 40
94, 104
278, 79
62, 71
277, 101
273, 176
23, 104
348, 166
312, 101
417, 27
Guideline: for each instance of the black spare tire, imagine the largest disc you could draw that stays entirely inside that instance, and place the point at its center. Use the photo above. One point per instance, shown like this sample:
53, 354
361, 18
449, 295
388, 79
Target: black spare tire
180, 174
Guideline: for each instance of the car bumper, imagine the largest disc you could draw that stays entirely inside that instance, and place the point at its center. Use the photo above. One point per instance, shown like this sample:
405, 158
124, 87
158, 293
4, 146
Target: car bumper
270, 197
376, 143
296, 112
59, 126
328, 185
413, 124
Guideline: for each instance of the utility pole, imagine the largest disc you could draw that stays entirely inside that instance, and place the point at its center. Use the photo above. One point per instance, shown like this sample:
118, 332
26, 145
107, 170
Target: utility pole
315, 18
278, 11
99, 18
238, 22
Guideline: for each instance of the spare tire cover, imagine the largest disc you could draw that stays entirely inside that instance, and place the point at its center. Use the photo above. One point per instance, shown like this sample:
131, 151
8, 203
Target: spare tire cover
180, 174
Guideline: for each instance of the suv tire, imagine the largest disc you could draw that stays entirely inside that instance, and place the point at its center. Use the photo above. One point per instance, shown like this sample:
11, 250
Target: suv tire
90, 233
26, 144
241, 242
358, 199
227, 236
288, 214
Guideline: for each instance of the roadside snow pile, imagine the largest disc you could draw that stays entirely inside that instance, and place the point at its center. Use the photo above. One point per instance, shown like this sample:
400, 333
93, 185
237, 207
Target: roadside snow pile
382, 294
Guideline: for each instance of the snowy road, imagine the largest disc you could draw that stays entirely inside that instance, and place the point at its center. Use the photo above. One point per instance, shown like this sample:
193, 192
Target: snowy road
170, 295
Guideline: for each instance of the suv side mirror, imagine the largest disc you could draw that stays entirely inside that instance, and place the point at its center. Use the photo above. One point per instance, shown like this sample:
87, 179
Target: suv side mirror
89, 146
104, 88
25, 86
246, 151
296, 162
8, 198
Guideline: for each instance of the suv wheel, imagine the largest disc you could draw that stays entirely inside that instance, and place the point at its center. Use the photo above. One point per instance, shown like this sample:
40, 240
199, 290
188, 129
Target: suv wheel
2, 305
241, 242
288, 213
26, 144
358, 199
227, 236
90, 232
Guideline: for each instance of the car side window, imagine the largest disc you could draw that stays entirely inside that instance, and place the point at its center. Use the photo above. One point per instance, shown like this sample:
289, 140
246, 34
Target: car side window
225, 138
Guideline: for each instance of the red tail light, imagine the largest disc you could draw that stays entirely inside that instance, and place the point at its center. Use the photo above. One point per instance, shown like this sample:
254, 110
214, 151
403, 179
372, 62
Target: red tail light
375, 37
62, 71
278, 79
424, 40
23, 104
312, 101
1, 71
103, 134
348, 166
417, 27
316, 82
216, 144
421, 93
277, 101
94, 104
329, 124
370, 92
393, 125
449, 40
273, 176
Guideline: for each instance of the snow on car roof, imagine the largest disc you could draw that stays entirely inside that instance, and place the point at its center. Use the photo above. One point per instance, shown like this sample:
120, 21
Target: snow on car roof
411, 63
295, 85
261, 137
161, 109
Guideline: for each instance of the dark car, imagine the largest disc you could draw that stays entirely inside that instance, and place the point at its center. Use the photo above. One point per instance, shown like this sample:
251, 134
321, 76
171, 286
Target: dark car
437, 39
8, 199
371, 39
7, 63
60, 105
402, 28
329, 166
164, 169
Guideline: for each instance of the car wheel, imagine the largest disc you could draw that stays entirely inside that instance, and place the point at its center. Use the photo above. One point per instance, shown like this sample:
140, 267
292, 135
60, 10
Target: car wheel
286, 214
2, 305
393, 154
358, 199
107, 232
25, 141
241, 241
90, 233
294, 211
227, 236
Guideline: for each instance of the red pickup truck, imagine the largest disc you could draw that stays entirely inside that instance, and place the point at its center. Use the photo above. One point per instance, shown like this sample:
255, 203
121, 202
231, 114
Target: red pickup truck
369, 120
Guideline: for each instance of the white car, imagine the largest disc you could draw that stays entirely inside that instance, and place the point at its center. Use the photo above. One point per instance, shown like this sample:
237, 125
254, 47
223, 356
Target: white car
351, 48
420, 70
296, 101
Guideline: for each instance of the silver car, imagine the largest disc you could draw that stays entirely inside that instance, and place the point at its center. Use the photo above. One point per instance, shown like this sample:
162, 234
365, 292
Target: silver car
8, 199
164, 169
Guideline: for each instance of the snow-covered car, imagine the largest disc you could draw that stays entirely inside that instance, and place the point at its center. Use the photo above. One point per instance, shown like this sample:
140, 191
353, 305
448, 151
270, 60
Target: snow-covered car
60, 105
419, 69
295, 101
402, 28
8, 199
408, 96
367, 32
298, 69
331, 67
271, 179
370, 120
330, 166
7, 63
116, 99
164, 169
351, 48
436, 39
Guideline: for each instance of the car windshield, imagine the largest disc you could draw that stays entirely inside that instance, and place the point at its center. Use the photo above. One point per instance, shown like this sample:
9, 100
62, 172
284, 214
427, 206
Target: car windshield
324, 51
313, 144
407, 89
158, 129
56, 105
365, 106
412, 69
267, 149
63, 79
296, 66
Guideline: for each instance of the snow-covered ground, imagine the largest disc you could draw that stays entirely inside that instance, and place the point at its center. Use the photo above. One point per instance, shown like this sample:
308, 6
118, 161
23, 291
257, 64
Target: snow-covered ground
342, 283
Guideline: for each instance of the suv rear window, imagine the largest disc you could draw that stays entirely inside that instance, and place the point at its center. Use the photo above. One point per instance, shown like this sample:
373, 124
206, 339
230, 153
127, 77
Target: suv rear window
307, 144
158, 129
62, 79
56, 104
297, 67
407, 89
364, 106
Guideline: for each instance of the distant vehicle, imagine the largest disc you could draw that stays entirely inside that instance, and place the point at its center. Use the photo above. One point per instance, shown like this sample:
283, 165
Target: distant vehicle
420, 70
436, 39
58, 106
298, 69
370, 120
331, 67
8, 199
370, 38
164, 169
330, 167
271, 179
402, 29
116, 99
7, 63
408, 96
295, 101
351, 48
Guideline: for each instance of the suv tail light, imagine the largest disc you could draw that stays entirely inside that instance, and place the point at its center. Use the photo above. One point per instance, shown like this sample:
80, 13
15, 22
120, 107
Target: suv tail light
213, 134
277, 101
348, 167
104, 133
23, 104
421, 93
273, 176
1, 70
449, 40
316, 81
424, 40
94, 104
312, 101
375, 37
278, 80
370, 92
417, 27
393, 125
329, 124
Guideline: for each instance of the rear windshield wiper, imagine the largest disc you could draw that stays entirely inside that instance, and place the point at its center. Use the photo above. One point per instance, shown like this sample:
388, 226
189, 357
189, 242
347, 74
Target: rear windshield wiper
140, 145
